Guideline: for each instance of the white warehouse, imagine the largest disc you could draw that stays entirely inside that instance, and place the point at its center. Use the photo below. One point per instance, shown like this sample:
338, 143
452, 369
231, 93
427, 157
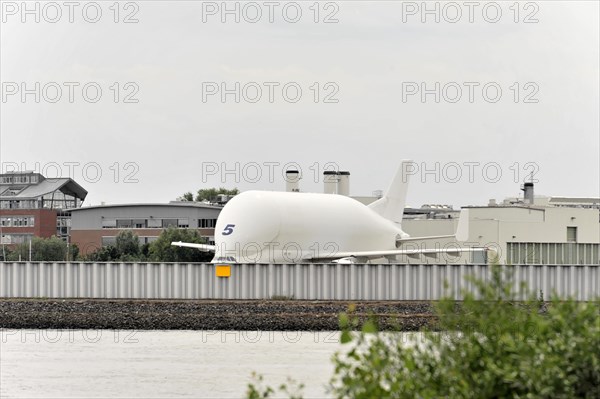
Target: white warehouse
523, 233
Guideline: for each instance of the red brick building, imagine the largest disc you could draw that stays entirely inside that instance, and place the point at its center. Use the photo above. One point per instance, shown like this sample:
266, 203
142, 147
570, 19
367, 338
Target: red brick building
32, 205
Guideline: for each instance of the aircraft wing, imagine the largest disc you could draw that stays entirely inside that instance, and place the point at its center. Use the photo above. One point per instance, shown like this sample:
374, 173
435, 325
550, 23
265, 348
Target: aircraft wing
361, 255
201, 247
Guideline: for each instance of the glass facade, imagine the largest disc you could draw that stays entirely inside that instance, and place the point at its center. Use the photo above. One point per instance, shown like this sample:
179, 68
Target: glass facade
63, 225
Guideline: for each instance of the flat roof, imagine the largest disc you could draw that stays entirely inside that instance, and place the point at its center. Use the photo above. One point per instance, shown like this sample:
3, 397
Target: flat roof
185, 204
576, 200
528, 207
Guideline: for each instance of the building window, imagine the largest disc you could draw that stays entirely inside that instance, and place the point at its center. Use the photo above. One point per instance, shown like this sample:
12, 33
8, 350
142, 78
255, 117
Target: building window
571, 234
17, 221
124, 224
479, 257
111, 240
154, 223
207, 223
169, 223
15, 238
183, 223
139, 223
109, 223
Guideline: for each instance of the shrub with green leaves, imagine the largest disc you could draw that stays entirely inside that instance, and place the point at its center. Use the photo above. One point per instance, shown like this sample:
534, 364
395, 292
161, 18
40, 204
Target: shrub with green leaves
488, 346
497, 342
52, 249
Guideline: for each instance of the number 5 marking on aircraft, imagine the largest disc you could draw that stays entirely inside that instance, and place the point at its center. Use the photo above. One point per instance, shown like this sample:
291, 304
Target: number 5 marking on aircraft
228, 229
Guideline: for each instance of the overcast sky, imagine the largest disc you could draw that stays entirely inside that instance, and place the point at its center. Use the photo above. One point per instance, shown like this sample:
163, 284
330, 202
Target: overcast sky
162, 127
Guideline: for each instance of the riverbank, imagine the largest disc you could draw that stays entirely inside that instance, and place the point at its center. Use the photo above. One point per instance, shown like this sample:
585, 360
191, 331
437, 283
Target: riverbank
272, 315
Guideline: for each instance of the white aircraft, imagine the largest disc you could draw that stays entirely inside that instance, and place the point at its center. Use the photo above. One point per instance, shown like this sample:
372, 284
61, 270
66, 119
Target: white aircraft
291, 227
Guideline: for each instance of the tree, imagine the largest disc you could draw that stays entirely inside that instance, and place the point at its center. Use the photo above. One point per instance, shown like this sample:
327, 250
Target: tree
186, 197
490, 345
126, 249
73, 252
161, 250
107, 253
210, 194
127, 244
51, 249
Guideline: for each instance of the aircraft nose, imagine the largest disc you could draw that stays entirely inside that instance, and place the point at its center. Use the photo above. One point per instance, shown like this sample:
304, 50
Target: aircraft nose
246, 226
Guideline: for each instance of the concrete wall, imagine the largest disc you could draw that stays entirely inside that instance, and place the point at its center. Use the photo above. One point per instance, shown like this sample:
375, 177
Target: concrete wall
264, 281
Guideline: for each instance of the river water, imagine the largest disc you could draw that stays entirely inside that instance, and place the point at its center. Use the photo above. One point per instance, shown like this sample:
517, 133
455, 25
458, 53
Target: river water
160, 364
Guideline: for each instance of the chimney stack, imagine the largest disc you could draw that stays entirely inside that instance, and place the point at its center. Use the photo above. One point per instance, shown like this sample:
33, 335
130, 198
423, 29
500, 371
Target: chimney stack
292, 181
330, 182
343, 185
527, 193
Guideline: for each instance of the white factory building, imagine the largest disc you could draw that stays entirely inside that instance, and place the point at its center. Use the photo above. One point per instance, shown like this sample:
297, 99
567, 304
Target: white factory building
526, 230
521, 234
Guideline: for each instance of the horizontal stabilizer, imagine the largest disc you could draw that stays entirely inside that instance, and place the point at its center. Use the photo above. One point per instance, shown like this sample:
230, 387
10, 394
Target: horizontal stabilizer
462, 231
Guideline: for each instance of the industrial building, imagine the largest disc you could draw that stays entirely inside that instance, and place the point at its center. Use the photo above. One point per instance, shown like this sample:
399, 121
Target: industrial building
522, 230
528, 230
95, 226
33, 205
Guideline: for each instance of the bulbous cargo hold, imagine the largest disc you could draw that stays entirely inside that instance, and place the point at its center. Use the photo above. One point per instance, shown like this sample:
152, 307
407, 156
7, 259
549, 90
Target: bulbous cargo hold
265, 227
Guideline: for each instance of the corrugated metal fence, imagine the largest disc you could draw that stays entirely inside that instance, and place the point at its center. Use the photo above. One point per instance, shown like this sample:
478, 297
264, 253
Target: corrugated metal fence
265, 281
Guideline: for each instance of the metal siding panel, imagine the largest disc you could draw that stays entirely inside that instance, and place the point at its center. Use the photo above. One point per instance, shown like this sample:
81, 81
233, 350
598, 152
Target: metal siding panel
84, 280
263, 281
4, 279
580, 282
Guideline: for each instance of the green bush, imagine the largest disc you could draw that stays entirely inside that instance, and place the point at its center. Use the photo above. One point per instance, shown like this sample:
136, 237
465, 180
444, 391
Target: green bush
161, 250
52, 249
126, 249
490, 345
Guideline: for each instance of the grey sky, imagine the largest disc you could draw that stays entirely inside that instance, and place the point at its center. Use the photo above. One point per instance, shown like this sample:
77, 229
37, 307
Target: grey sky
369, 56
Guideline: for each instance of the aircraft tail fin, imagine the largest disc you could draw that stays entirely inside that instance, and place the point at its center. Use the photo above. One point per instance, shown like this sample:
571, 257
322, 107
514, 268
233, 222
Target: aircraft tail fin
391, 205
